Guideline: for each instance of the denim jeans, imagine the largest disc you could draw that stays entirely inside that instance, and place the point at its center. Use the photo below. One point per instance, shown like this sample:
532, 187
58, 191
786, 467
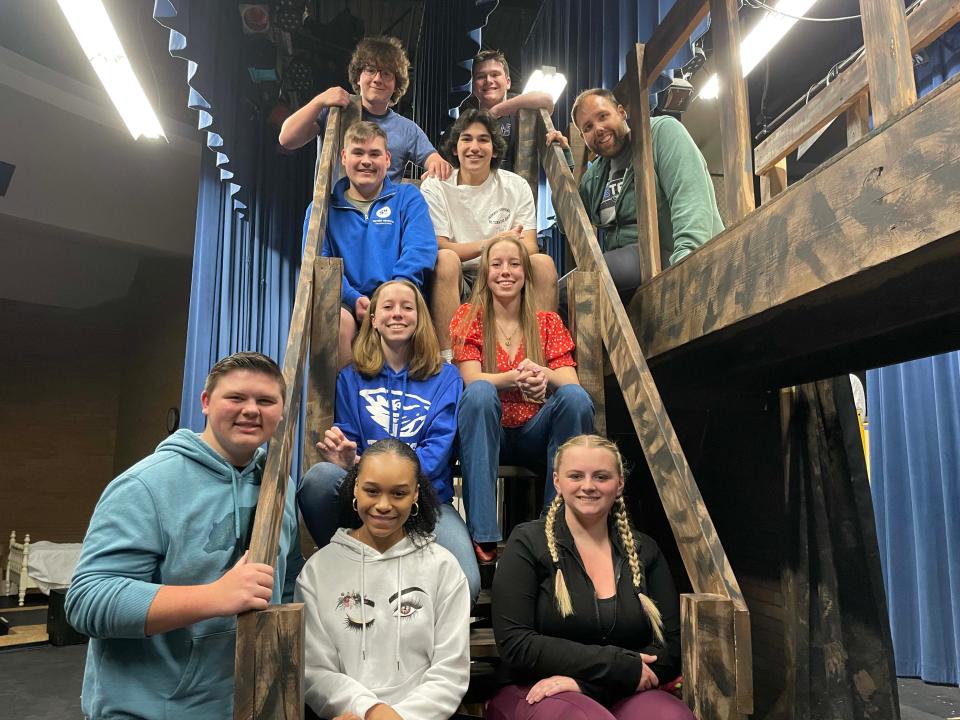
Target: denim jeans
485, 444
317, 498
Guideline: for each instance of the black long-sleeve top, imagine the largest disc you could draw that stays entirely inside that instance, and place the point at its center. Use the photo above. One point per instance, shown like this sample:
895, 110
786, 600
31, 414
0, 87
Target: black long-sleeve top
535, 642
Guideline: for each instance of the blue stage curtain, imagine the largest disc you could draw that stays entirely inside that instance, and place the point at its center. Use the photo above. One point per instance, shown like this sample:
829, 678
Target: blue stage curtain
914, 412
588, 43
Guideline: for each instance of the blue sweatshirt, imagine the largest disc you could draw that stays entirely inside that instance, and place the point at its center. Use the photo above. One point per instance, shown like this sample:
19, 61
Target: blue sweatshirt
422, 413
394, 240
181, 516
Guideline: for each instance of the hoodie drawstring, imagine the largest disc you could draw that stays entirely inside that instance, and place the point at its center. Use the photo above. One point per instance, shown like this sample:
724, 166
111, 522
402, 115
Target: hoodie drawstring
234, 482
397, 417
363, 604
399, 606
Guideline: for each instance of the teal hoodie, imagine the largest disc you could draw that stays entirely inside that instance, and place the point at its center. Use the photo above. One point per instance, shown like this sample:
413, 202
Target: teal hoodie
181, 516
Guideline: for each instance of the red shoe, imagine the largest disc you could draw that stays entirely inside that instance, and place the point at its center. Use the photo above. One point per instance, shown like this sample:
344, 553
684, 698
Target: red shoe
485, 557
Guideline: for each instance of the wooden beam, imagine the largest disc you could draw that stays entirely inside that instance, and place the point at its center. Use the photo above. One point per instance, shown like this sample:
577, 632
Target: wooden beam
637, 102
736, 145
671, 34
773, 181
700, 548
857, 118
709, 656
886, 44
856, 224
925, 24
269, 675
584, 298
525, 164
268, 520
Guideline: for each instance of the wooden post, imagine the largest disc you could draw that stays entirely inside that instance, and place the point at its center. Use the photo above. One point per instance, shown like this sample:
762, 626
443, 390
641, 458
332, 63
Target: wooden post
269, 678
886, 44
858, 119
773, 181
583, 300
526, 164
734, 109
709, 656
637, 102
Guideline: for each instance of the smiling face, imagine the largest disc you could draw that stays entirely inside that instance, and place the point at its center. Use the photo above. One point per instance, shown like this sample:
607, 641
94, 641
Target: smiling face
395, 316
603, 125
505, 276
243, 411
588, 479
385, 491
366, 165
376, 87
490, 83
475, 148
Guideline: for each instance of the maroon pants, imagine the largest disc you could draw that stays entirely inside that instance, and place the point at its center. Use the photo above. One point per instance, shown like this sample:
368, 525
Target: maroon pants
511, 704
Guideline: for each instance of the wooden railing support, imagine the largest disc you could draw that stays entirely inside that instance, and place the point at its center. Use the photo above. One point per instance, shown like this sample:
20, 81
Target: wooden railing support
583, 301
254, 700
710, 652
886, 44
700, 548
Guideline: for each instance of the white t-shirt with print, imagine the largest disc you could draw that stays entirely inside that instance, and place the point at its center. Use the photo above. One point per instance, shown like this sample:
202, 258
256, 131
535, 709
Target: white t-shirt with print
467, 213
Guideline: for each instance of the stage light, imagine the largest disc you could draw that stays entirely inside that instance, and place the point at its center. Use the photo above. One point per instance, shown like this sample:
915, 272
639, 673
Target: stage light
90, 23
546, 79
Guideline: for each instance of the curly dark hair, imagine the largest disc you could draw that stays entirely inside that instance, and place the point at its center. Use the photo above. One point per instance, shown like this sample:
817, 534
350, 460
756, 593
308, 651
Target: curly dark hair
466, 120
386, 53
417, 526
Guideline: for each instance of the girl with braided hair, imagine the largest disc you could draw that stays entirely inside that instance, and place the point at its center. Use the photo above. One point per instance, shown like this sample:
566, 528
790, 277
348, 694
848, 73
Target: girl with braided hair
585, 614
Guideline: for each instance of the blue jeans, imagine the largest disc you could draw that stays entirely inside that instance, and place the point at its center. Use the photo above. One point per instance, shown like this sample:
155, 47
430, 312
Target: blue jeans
485, 444
317, 498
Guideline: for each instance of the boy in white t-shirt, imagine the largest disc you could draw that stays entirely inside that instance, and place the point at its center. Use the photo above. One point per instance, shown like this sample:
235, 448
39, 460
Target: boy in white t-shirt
476, 205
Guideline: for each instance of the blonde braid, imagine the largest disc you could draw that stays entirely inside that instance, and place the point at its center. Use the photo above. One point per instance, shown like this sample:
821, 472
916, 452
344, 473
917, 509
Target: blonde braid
560, 592
636, 569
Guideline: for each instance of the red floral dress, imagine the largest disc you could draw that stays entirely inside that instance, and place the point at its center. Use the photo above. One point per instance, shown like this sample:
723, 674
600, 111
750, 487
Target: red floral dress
554, 339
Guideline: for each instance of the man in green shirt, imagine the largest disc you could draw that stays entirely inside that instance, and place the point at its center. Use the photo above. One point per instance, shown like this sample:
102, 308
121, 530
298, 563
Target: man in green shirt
687, 213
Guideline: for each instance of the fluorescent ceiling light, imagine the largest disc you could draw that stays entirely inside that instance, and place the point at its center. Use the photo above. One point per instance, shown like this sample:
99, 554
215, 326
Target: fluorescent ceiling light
90, 23
762, 38
548, 80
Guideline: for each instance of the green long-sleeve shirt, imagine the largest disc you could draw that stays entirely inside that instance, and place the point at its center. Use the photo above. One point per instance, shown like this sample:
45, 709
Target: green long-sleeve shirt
687, 213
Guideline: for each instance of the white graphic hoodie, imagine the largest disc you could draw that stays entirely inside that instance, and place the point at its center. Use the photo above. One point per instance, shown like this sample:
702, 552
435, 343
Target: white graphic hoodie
388, 628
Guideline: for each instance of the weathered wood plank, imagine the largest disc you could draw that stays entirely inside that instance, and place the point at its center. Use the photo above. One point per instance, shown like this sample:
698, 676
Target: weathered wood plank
852, 220
269, 671
734, 110
773, 181
709, 656
886, 44
637, 102
925, 24
525, 164
584, 298
700, 548
671, 34
324, 334
857, 118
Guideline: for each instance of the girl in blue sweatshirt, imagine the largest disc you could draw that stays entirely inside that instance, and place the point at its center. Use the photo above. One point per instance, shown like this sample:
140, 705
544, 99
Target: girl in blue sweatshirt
398, 387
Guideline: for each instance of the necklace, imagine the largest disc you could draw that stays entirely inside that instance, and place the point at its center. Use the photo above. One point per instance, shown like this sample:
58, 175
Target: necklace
507, 339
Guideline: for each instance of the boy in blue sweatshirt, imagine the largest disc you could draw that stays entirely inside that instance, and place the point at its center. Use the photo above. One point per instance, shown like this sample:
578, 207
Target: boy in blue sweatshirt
163, 572
381, 230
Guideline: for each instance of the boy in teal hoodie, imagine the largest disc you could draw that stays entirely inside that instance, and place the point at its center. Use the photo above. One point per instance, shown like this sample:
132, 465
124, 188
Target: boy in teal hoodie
163, 571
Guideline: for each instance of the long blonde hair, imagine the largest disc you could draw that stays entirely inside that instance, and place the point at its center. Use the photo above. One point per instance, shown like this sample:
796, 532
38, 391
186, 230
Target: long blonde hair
561, 593
481, 303
425, 358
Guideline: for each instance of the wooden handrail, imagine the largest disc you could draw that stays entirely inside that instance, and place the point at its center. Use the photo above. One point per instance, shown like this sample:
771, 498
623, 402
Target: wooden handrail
703, 556
926, 24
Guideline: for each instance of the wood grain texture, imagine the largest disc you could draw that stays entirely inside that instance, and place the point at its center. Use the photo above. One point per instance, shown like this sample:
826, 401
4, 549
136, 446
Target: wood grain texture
734, 109
924, 25
857, 118
525, 164
886, 44
671, 34
322, 373
773, 181
700, 547
583, 291
709, 651
637, 102
895, 192
269, 664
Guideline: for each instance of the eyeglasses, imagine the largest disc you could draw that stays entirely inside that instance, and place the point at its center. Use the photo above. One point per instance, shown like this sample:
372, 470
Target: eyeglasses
371, 72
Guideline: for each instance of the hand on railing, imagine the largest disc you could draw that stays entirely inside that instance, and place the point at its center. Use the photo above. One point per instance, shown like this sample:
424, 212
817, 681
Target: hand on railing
336, 448
557, 137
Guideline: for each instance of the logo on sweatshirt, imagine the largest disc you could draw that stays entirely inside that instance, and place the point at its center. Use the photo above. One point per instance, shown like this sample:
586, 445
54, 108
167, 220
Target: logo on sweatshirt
383, 213
402, 415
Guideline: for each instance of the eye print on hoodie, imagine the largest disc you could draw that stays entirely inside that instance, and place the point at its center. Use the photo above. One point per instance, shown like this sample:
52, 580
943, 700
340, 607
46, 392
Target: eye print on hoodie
405, 605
